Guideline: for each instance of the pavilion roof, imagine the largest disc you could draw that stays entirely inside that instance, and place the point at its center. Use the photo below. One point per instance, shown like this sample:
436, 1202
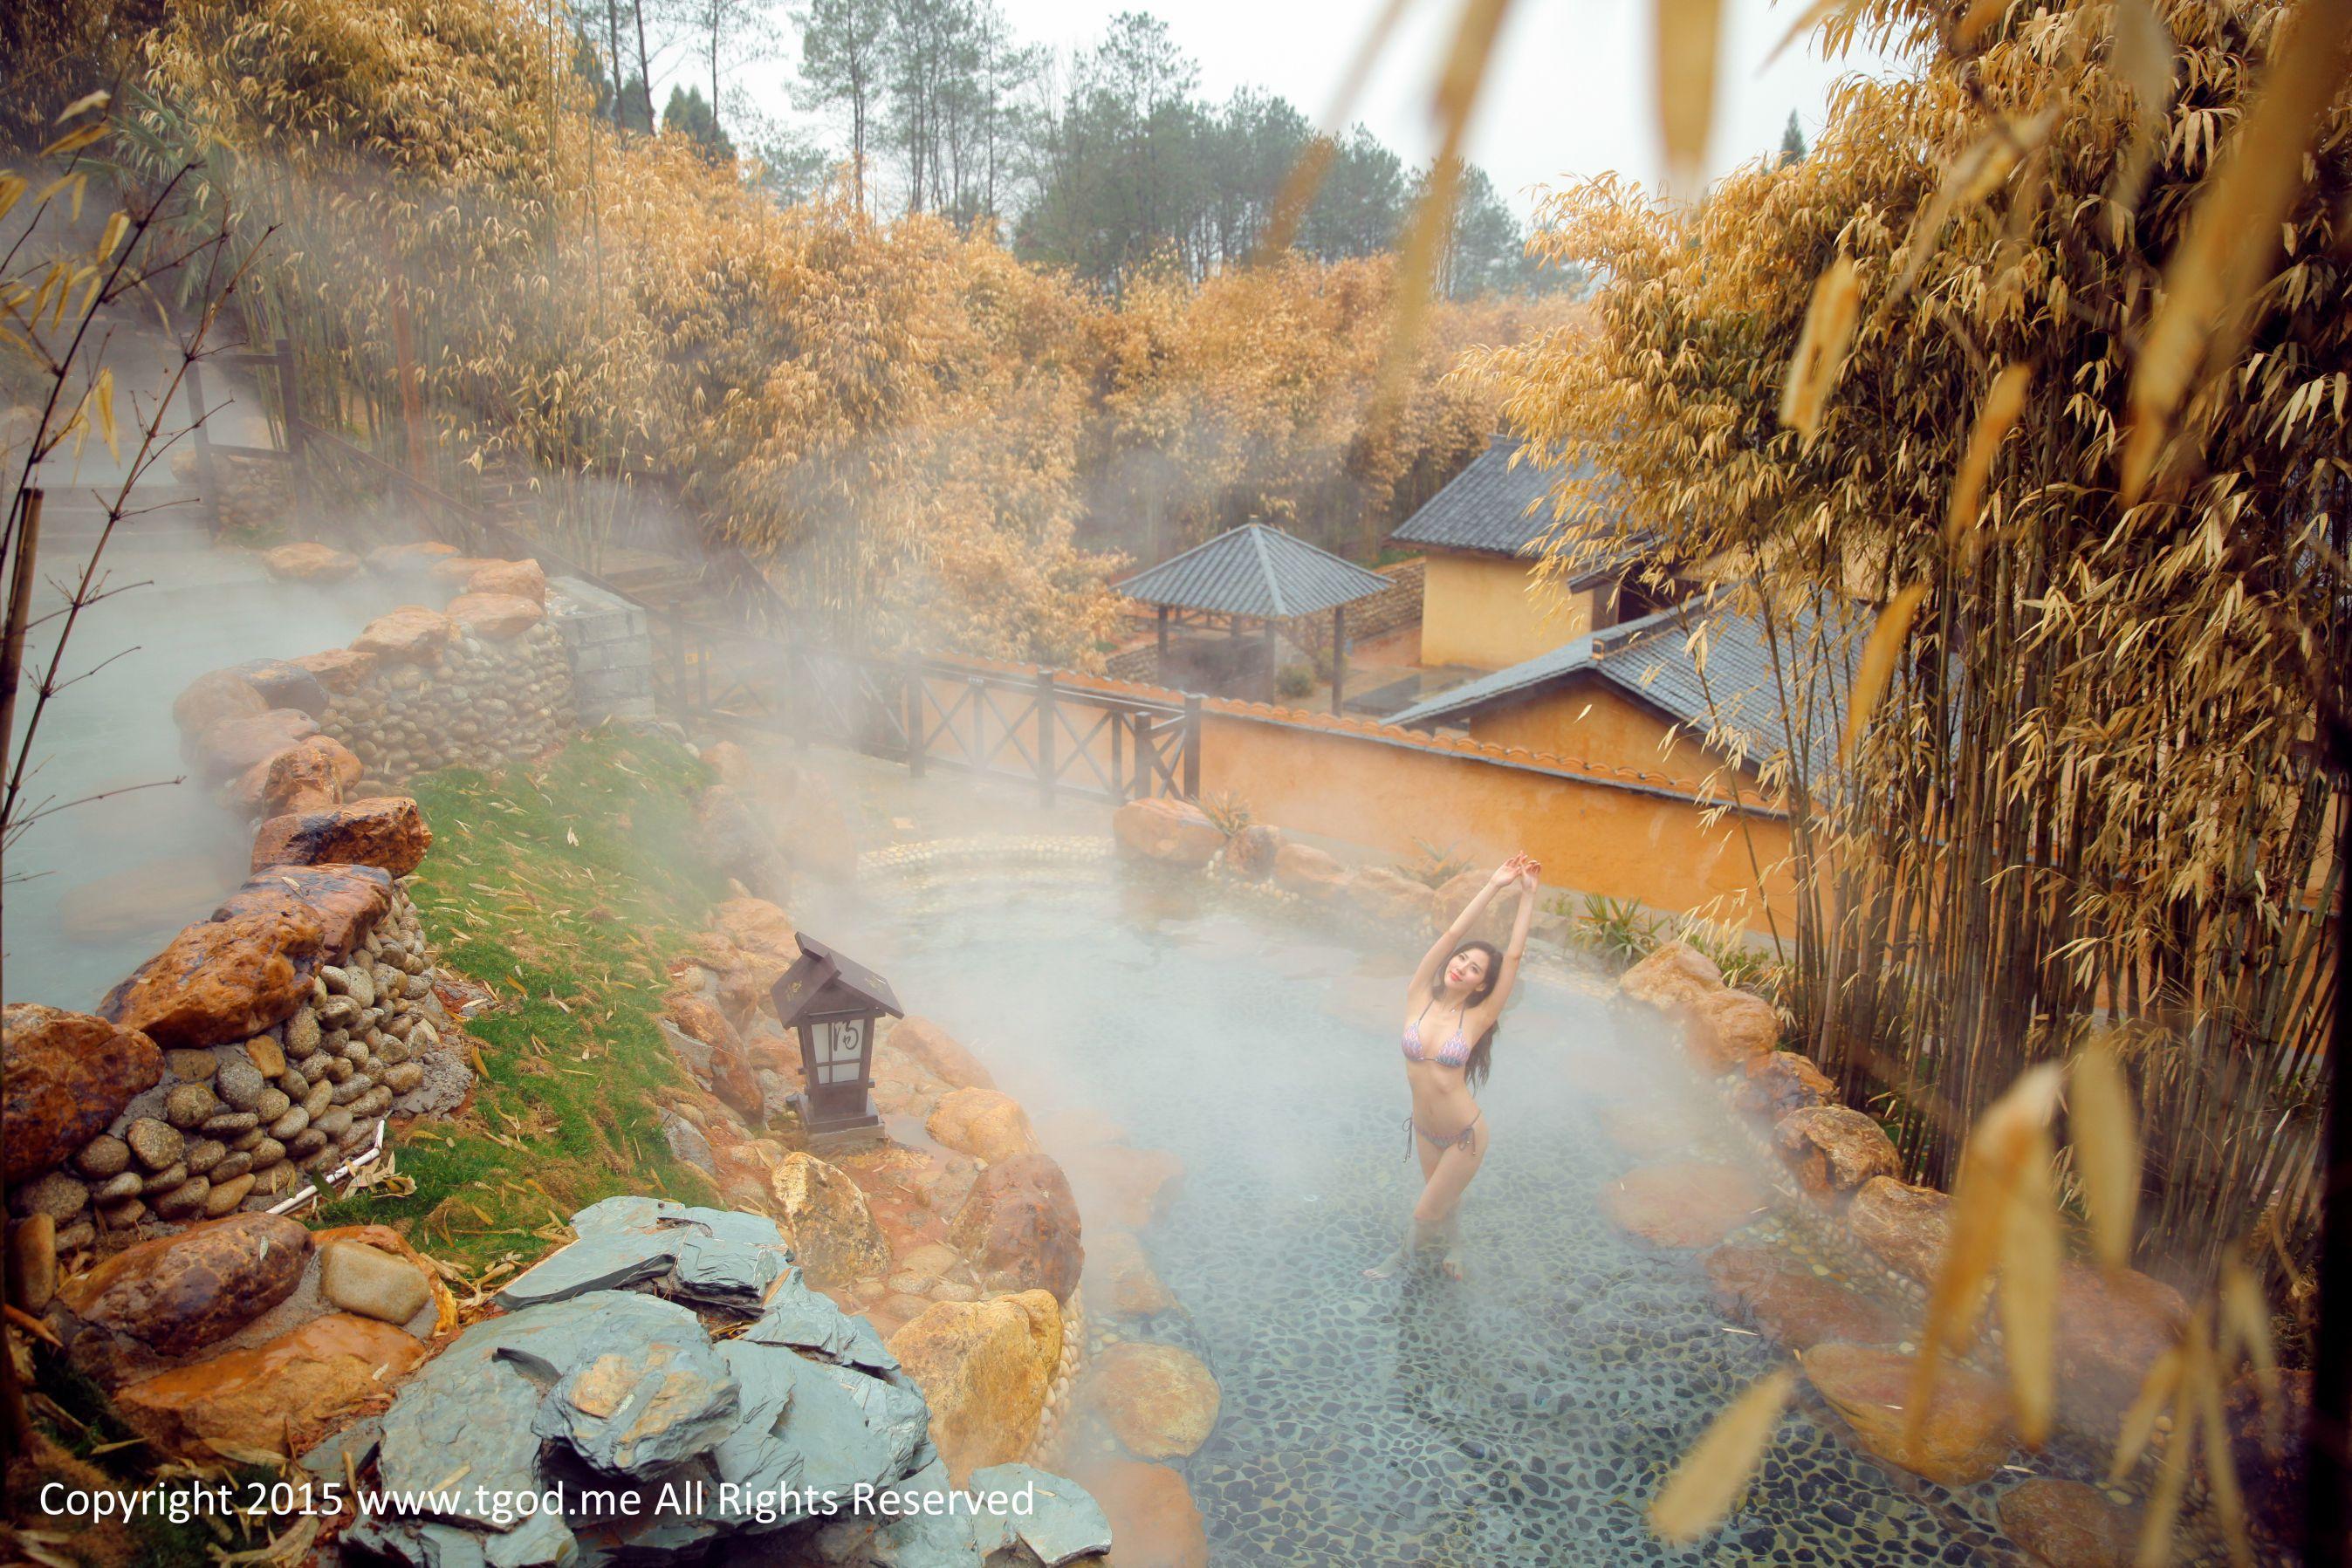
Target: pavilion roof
1255, 570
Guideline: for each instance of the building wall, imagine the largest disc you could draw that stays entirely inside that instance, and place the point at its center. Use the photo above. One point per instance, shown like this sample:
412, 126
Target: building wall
1484, 611
1593, 835
1597, 723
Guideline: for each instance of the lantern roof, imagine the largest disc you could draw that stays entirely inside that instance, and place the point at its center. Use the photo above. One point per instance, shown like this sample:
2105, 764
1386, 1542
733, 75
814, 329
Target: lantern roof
824, 984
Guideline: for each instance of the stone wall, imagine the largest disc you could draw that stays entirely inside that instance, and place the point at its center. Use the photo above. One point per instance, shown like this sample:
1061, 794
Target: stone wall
609, 648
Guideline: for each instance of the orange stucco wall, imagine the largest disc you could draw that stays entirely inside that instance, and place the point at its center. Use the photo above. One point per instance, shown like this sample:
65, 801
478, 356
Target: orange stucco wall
1599, 724
1488, 612
1591, 835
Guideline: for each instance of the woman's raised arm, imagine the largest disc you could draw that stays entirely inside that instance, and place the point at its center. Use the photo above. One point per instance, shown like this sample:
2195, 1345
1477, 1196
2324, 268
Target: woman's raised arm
1451, 937
1492, 1008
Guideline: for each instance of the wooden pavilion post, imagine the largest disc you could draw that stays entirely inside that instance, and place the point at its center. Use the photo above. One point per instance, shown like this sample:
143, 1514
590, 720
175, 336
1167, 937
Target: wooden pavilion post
1338, 658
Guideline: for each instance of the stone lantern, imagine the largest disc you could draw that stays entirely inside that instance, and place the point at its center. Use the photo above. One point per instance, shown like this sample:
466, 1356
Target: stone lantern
835, 1004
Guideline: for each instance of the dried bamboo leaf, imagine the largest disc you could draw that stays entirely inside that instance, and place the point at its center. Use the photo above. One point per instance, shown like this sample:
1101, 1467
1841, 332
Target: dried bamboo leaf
2005, 1138
1980, 169
2104, 1132
2234, 231
1828, 333
2201, 1383
1812, 16
1707, 1482
2246, 1324
1981, 15
2031, 1251
2155, 1390
2002, 404
2144, 57
1878, 656
2155, 1548
1689, 37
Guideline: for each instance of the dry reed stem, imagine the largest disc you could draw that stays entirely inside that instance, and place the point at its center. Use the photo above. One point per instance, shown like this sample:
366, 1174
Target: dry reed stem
2233, 233
2104, 1132
1708, 1482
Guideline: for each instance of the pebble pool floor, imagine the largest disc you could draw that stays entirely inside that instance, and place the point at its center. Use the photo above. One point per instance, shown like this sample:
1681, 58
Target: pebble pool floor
1523, 1417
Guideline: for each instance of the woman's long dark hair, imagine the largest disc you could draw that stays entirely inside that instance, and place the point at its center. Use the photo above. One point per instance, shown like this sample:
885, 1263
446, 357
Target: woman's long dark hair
1482, 1055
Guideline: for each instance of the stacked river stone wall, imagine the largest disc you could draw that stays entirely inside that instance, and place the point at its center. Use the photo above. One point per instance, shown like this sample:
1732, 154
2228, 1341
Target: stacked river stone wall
482, 703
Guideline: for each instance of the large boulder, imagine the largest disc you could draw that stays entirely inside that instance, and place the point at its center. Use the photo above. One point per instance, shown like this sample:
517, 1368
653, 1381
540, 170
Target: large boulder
211, 698
509, 578
939, 1052
283, 682
311, 561
1393, 899
340, 670
231, 748
411, 634
1766, 1287
835, 1236
1250, 853
985, 1368
388, 831
1160, 1401
1130, 1186
1675, 976
983, 1123
222, 980
1903, 1227
1834, 1149
308, 775
345, 900
1965, 1437
1683, 1203
1019, 1227
176, 1295
1779, 1082
415, 555
2067, 1525
1154, 1524
2110, 1328
1731, 1028
1307, 871
1168, 831
495, 617
259, 1397
70, 1076
1119, 1275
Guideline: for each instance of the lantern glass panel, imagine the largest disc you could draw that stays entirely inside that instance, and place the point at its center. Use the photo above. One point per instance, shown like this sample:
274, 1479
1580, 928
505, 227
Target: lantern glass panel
840, 1051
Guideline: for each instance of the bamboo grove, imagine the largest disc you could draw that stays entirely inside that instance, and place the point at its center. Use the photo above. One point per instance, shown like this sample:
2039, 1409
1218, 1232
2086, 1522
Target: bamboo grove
2091, 796
900, 426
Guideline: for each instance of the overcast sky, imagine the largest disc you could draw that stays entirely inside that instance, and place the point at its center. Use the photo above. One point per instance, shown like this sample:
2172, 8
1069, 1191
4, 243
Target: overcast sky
1571, 94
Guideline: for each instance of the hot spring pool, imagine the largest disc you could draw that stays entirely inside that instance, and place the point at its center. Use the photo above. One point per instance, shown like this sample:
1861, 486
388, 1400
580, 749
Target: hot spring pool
1525, 1417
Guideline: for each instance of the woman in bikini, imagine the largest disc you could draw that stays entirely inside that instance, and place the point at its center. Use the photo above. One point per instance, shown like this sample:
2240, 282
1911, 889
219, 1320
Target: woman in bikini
1456, 995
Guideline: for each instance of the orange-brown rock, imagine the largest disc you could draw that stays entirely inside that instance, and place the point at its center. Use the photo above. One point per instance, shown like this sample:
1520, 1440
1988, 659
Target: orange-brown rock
1780, 1081
1903, 1227
1494, 923
282, 682
1250, 852
1385, 896
1731, 1028
1130, 1186
234, 746
1120, 1277
939, 1053
985, 1368
222, 980
385, 1239
1684, 1203
209, 699
311, 563
345, 900
1154, 1522
387, 830
759, 927
257, 1397
1168, 831
983, 1123
340, 670
68, 1075
737, 1083
1965, 1438
456, 570
1834, 1149
1158, 1400
1768, 1289
1308, 871
2067, 1525
178, 1293
495, 617
411, 634
728, 763
1674, 975
2111, 1327
414, 557
515, 578
1019, 1228
700, 1019
308, 775
833, 1234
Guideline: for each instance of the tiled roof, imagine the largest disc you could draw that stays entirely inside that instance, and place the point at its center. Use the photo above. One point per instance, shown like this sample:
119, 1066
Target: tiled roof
1490, 507
1258, 570
1653, 659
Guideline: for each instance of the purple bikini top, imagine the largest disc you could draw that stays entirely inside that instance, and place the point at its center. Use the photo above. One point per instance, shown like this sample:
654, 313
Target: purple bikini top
1452, 1053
